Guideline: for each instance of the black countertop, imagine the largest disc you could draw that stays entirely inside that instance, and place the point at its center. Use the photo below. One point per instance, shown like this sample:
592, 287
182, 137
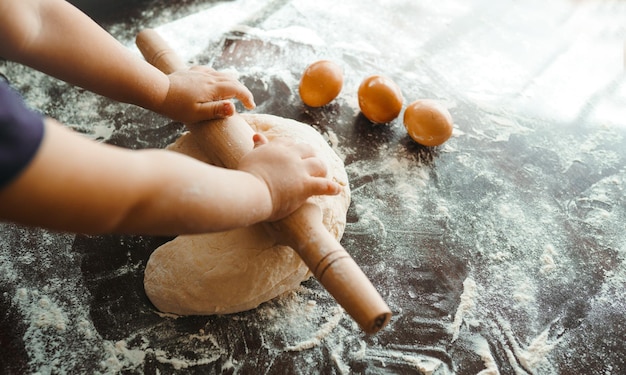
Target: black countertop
501, 251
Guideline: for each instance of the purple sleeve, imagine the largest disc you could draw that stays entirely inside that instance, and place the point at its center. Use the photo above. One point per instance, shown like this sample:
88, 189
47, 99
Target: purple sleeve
21, 132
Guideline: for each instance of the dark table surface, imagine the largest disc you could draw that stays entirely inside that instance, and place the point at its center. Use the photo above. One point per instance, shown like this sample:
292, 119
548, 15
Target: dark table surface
501, 251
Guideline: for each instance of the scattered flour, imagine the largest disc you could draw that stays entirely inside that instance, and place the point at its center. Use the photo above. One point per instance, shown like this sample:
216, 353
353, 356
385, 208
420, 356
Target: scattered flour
535, 354
323, 332
481, 346
464, 311
547, 259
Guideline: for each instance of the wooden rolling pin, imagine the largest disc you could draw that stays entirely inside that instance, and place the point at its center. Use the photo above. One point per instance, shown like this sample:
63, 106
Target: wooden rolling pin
330, 263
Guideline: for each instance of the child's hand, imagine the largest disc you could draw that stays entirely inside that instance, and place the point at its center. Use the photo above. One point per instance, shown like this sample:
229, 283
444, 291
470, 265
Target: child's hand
201, 93
291, 171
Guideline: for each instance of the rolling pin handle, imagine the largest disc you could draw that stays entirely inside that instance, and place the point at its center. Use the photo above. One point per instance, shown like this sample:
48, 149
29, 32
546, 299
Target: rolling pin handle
332, 266
157, 52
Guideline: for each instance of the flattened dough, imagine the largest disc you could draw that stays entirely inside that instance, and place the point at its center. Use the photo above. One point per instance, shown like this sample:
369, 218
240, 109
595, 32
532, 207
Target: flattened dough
228, 272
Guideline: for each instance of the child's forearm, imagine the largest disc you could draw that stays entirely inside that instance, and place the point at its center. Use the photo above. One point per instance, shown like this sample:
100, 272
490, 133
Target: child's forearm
182, 195
54, 37
74, 184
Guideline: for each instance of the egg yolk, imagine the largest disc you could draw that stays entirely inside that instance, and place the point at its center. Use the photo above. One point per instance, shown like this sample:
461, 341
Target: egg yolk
428, 122
321, 82
380, 99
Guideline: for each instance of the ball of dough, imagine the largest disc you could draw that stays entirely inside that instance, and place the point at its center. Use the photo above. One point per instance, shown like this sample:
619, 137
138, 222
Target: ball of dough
321, 82
228, 272
428, 122
380, 99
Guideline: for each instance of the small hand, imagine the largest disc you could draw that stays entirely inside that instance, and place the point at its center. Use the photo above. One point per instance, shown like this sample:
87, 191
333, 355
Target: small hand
202, 93
291, 171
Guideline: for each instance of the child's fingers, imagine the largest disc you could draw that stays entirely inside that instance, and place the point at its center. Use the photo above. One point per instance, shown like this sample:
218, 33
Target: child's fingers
323, 186
218, 109
315, 167
244, 96
228, 87
259, 140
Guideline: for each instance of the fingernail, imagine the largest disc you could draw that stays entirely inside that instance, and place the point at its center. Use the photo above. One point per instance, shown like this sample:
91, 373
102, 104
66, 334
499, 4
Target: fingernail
228, 109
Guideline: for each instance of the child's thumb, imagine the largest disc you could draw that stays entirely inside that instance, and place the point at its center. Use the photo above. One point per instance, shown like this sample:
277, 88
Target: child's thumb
259, 140
218, 109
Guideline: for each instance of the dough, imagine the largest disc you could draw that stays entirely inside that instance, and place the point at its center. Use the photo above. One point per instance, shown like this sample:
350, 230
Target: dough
227, 272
